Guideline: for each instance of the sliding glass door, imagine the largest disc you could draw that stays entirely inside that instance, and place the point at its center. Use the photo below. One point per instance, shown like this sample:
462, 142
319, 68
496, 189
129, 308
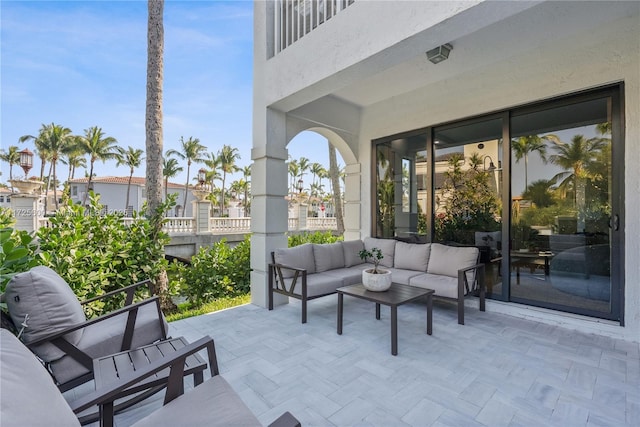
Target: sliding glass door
537, 189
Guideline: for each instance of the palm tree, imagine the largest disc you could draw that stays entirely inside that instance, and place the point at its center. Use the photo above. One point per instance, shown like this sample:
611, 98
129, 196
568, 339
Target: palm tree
227, 157
73, 157
524, 145
294, 171
213, 163
246, 173
576, 158
58, 141
304, 165
98, 147
191, 151
12, 156
131, 157
316, 170
334, 173
170, 169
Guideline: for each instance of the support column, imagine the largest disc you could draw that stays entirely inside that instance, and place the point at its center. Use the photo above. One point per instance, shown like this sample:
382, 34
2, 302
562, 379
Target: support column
201, 209
26, 209
352, 202
269, 210
303, 212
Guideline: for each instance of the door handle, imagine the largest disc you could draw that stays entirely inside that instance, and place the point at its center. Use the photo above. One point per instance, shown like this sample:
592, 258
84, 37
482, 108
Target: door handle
614, 223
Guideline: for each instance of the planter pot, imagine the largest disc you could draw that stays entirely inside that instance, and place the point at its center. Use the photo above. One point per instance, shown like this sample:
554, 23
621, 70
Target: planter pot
25, 186
376, 282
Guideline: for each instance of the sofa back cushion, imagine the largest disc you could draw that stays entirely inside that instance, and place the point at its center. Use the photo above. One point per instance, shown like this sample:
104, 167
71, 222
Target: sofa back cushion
51, 305
447, 260
328, 256
298, 256
412, 256
29, 397
352, 250
387, 246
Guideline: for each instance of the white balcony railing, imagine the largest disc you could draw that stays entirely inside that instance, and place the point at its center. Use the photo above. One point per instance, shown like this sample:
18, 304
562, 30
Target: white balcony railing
295, 18
229, 225
182, 225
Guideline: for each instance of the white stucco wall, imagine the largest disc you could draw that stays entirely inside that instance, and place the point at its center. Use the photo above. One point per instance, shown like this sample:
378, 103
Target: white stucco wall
505, 54
582, 60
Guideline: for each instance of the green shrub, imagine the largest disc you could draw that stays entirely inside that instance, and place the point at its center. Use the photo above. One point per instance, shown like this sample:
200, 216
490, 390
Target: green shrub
17, 254
98, 253
316, 237
215, 272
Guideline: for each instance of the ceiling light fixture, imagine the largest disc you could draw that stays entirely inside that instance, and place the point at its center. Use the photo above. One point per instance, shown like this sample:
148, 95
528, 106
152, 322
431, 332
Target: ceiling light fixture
440, 53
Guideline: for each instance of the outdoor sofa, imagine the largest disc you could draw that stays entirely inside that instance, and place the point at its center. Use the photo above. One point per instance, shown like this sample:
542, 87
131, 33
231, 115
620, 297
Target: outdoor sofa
312, 271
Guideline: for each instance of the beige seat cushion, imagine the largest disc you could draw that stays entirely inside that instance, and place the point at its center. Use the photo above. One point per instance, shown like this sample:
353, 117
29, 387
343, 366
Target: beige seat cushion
447, 260
387, 246
444, 286
328, 256
28, 396
352, 250
412, 256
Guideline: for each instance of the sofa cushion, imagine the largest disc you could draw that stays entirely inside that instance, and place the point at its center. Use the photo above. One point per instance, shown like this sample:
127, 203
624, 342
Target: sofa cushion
444, 286
328, 256
402, 276
387, 246
317, 284
28, 396
447, 260
51, 305
105, 337
412, 256
349, 276
299, 257
352, 250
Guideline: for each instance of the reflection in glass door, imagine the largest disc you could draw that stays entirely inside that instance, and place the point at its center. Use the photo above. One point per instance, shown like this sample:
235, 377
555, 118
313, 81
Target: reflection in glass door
560, 243
468, 191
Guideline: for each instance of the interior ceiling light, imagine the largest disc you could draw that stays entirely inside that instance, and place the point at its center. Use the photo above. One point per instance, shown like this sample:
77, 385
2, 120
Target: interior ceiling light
440, 53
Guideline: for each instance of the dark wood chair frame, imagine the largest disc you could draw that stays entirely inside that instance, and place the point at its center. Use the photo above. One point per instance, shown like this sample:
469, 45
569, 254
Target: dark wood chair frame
58, 339
278, 285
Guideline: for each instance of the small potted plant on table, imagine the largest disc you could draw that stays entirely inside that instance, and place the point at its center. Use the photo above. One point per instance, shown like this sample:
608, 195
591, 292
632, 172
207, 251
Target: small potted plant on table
375, 279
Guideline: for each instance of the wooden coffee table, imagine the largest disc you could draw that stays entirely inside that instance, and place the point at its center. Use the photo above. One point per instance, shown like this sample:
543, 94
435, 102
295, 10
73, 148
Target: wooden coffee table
396, 295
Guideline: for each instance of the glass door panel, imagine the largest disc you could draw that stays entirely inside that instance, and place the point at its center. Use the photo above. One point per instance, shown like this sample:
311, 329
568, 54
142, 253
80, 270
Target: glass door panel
560, 242
468, 190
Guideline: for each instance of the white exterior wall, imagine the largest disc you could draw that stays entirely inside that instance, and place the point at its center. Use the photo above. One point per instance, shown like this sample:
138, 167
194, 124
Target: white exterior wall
505, 54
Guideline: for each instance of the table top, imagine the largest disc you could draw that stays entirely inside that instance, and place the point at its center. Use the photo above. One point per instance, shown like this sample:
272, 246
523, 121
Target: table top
396, 295
109, 369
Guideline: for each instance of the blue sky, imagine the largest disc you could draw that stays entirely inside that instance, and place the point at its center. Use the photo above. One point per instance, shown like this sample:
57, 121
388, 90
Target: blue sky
83, 63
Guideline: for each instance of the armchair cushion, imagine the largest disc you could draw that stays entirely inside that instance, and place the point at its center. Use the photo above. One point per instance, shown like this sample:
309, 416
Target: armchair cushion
299, 256
447, 260
51, 305
410, 256
387, 246
352, 250
29, 397
328, 256
105, 337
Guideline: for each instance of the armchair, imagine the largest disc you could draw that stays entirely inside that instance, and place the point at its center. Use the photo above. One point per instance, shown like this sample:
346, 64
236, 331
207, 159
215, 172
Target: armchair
60, 335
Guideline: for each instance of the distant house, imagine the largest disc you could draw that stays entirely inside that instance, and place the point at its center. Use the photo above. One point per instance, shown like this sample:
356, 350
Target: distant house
113, 194
5, 197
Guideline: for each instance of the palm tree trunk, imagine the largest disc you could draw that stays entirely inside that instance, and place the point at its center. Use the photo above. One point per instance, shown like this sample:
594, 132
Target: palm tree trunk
186, 188
55, 190
224, 178
153, 127
126, 205
84, 199
335, 184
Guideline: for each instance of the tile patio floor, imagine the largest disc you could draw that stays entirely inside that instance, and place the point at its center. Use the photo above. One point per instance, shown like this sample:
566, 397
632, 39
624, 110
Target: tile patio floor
496, 370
